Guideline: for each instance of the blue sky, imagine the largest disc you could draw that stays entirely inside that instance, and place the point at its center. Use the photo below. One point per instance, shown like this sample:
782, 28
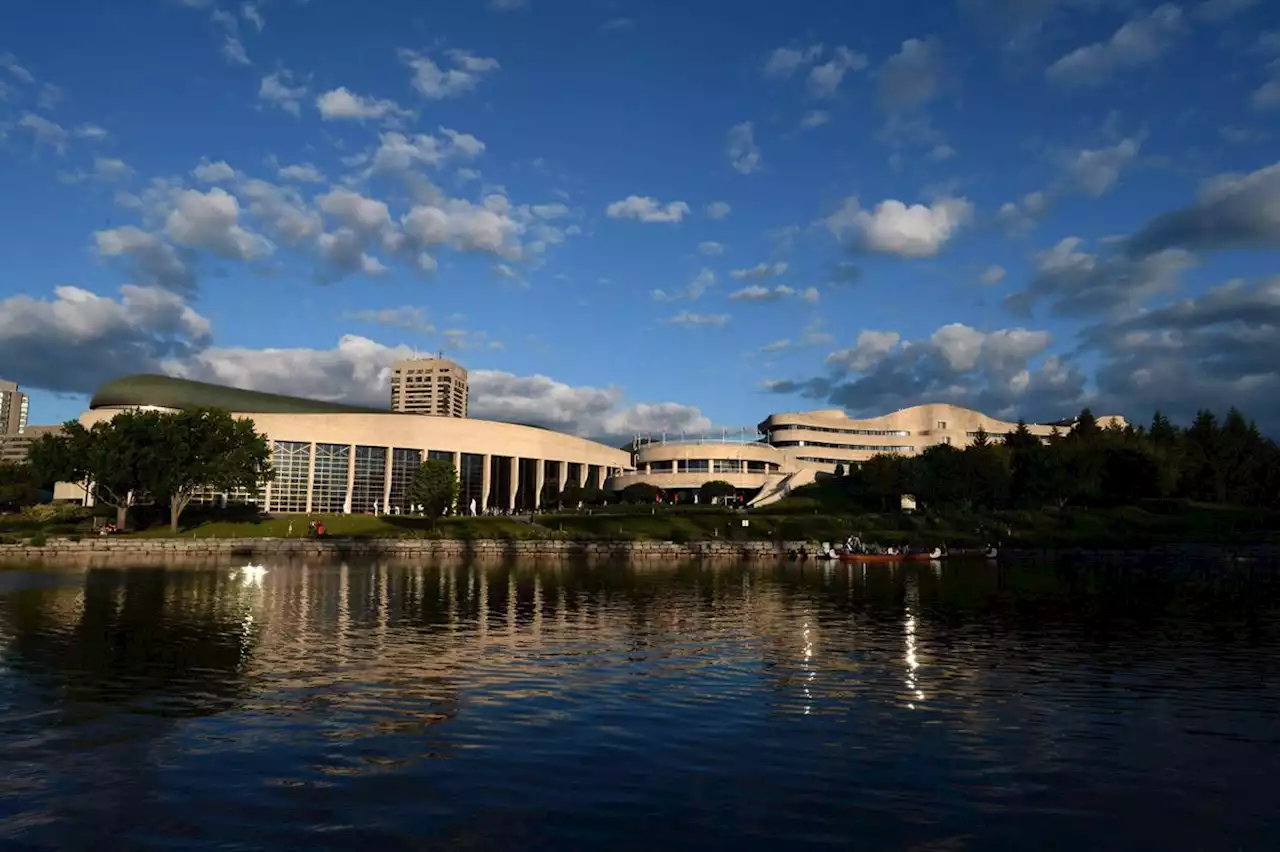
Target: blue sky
630, 216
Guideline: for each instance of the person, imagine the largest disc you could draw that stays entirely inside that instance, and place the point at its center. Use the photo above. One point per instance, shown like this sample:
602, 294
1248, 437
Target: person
319, 529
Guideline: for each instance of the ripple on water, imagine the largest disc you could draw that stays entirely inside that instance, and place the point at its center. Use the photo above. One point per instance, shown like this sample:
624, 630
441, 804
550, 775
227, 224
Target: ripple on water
552, 707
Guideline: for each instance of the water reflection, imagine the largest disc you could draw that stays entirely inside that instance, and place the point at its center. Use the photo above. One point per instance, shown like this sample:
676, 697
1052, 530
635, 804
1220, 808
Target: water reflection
552, 706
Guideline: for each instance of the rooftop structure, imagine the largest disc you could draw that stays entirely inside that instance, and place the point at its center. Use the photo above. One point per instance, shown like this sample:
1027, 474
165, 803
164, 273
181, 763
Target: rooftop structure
13, 409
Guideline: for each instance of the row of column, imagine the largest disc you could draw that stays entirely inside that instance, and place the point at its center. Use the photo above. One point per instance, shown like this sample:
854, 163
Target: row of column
486, 477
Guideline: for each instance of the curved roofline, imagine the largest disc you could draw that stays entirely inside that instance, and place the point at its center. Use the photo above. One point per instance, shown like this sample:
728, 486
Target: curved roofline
170, 392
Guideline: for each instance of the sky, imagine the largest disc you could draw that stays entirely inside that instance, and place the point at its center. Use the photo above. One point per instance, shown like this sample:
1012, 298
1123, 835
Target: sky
631, 217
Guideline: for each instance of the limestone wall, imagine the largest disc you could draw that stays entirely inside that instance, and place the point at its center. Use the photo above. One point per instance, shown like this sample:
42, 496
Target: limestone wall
131, 548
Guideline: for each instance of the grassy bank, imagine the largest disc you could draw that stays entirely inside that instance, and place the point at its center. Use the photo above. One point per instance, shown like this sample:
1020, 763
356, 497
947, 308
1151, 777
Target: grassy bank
807, 517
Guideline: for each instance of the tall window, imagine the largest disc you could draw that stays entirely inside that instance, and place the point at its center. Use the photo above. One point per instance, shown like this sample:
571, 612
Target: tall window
726, 466
404, 464
291, 460
329, 484
370, 480
470, 481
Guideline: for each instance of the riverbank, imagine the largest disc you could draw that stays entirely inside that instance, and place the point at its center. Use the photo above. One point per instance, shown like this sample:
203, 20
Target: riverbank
141, 550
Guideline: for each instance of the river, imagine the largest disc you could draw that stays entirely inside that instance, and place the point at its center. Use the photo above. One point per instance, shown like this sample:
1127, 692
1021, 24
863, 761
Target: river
769, 706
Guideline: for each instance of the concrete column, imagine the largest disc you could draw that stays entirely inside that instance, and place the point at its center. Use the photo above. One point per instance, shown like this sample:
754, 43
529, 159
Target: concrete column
514, 468
386, 483
484, 482
539, 482
351, 477
564, 475
311, 474
457, 470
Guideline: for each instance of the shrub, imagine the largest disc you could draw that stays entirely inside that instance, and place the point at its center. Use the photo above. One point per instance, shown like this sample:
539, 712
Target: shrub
37, 540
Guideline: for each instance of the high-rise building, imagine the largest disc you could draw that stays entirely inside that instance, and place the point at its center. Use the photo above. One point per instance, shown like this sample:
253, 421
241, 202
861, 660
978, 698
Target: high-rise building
434, 386
13, 409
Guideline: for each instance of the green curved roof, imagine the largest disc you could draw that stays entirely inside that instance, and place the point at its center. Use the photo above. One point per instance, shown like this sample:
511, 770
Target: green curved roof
168, 392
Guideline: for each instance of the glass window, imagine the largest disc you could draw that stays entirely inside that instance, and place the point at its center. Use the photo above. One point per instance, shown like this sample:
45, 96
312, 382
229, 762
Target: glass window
329, 482
662, 466
756, 467
292, 461
404, 464
370, 480
694, 466
726, 466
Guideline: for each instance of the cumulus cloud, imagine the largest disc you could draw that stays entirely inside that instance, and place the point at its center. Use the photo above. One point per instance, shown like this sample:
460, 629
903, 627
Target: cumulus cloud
992, 275
912, 76
760, 293
358, 371
1096, 171
45, 132
786, 61
691, 320
710, 247
1077, 283
78, 340
647, 209
760, 270
1024, 214
405, 317
893, 227
208, 172
741, 148
465, 73
825, 79
341, 104
718, 209
301, 173
1232, 211
153, 261
692, 291
815, 118
281, 91
210, 221
1141, 41
1003, 373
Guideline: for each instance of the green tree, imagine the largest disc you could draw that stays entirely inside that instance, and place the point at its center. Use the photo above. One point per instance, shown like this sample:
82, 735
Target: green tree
981, 438
572, 495
434, 487
640, 492
883, 481
715, 489
1086, 426
593, 496
202, 448
17, 486
839, 471
106, 460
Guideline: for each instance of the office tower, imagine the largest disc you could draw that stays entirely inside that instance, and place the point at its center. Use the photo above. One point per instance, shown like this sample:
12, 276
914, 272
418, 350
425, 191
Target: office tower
13, 409
435, 386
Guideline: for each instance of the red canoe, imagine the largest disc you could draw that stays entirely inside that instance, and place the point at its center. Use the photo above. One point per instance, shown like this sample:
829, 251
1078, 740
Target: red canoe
885, 557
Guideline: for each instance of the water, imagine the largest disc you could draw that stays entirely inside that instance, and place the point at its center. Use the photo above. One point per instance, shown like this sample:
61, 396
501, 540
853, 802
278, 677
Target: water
509, 707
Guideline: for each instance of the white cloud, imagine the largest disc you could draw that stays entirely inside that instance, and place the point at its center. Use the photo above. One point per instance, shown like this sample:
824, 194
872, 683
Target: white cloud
870, 348
301, 173
1233, 211
233, 51
810, 295
342, 104
744, 154
253, 15
278, 89
825, 79
1139, 42
992, 275
893, 227
718, 210
91, 131
210, 220
399, 153
912, 76
1097, 171
46, 132
760, 293
10, 63
647, 209
154, 260
406, 317
1267, 96
941, 153
759, 271
432, 81
78, 340
690, 320
786, 61
208, 172
815, 118
692, 291
710, 247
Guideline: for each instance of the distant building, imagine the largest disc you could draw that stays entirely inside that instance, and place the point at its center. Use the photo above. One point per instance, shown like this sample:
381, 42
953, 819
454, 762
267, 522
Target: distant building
434, 386
14, 447
796, 448
13, 409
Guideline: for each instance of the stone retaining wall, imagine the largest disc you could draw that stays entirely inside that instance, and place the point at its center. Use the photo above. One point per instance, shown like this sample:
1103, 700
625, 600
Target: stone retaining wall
127, 548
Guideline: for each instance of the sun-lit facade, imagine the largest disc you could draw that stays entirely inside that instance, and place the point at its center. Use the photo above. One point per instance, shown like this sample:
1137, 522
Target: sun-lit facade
333, 458
795, 448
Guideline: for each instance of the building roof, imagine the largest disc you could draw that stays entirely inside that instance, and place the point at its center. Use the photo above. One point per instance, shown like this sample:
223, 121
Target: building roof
169, 392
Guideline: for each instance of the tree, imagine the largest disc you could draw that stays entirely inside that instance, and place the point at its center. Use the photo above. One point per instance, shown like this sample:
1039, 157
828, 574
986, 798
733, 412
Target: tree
434, 487
641, 492
571, 495
17, 486
839, 472
202, 448
981, 438
105, 460
1086, 426
715, 489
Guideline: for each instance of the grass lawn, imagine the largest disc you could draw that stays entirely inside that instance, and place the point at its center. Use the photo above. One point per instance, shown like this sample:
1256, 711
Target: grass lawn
354, 526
